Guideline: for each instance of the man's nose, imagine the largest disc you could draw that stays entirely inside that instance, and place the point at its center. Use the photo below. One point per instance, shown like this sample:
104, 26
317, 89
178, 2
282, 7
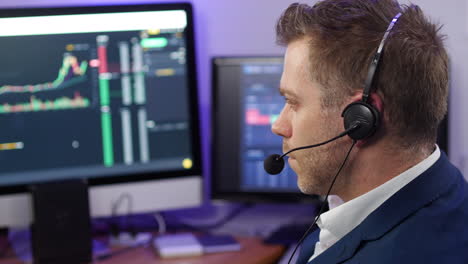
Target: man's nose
281, 126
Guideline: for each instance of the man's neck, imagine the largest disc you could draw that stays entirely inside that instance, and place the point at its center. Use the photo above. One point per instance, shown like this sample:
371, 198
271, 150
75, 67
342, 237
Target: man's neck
372, 167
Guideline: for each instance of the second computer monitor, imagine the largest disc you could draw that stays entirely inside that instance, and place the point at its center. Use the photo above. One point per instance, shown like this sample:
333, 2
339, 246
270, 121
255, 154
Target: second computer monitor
246, 101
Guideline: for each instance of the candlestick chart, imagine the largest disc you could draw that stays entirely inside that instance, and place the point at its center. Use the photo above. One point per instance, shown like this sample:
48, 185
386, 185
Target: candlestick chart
16, 98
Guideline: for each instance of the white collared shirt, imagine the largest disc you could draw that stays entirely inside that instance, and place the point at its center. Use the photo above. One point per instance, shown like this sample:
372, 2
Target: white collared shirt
339, 221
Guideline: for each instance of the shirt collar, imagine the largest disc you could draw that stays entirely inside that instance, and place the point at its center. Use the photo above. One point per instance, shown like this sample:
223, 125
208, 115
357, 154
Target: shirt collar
342, 219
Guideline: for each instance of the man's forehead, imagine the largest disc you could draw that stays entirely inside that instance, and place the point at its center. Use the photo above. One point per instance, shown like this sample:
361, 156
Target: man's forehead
296, 57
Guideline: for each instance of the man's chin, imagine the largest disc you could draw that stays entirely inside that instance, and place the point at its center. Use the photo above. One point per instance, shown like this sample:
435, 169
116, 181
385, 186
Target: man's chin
311, 188
306, 188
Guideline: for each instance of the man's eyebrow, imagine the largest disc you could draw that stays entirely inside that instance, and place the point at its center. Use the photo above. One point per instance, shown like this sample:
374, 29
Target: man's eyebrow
285, 92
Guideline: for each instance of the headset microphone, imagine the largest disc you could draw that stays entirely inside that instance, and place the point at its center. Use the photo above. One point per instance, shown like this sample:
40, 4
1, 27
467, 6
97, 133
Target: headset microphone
274, 163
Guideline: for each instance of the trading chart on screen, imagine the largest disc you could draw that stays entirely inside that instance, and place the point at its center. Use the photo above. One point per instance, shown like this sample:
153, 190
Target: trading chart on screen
106, 99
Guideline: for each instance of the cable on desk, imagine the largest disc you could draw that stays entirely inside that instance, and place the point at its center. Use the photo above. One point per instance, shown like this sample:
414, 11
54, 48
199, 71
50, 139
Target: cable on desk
116, 204
115, 227
161, 223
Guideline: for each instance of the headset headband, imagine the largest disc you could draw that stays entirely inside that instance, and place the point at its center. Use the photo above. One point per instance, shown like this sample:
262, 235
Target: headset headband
376, 60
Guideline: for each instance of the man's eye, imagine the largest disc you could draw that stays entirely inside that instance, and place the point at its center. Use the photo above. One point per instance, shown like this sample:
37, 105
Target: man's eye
291, 103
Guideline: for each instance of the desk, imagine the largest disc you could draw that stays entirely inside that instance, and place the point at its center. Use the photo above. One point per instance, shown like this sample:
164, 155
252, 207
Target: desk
253, 252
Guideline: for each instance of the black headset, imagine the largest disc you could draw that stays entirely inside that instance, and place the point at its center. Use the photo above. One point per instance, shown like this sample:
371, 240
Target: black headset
362, 112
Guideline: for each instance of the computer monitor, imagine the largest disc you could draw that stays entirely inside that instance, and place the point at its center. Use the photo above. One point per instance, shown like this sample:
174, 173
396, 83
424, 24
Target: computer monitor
102, 93
246, 101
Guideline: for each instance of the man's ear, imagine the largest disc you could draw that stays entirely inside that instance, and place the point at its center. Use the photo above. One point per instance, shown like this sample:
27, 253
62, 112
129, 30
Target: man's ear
376, 101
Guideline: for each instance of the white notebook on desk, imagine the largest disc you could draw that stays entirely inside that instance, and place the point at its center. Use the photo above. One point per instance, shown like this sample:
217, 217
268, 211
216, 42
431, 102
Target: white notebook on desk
177, 245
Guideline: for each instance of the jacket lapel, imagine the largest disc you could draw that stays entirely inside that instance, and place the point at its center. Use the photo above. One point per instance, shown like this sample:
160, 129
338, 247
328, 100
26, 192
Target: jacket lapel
308, 247
424, 189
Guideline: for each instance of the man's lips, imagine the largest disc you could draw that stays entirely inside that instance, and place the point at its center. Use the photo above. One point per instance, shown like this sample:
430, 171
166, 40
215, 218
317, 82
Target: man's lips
286, 149
290, 156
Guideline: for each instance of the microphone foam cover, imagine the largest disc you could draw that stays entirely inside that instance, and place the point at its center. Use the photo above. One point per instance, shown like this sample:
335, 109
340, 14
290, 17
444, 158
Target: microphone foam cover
273, 164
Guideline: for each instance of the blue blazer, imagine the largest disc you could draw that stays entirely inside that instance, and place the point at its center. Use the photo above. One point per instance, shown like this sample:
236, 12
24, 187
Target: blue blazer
425, 222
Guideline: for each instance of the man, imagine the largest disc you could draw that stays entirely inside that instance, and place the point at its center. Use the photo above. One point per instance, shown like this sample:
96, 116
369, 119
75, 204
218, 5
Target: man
404, 202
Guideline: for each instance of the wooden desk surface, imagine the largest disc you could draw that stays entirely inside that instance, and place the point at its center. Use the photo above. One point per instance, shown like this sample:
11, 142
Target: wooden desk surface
253, 252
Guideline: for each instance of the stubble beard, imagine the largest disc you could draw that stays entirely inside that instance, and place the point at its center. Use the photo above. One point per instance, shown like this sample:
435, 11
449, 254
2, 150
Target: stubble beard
318, 166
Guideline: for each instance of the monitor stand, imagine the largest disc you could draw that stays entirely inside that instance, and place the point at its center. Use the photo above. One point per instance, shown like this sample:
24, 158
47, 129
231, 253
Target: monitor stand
61, 229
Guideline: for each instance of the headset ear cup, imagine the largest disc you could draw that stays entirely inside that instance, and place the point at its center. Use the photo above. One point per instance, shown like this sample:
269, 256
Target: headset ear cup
367, 116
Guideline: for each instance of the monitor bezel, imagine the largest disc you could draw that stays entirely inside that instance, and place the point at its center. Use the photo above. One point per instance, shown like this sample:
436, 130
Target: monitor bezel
241, 196
196, 169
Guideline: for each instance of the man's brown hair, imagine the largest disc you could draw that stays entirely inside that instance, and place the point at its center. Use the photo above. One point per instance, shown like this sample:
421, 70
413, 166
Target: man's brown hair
412, 78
